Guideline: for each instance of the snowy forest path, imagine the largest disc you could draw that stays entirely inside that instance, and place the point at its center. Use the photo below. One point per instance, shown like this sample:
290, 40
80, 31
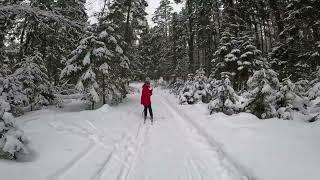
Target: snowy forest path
121, 147
174, 149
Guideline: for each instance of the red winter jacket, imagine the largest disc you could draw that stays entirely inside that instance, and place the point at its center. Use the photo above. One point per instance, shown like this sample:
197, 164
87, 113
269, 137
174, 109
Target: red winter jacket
145, 96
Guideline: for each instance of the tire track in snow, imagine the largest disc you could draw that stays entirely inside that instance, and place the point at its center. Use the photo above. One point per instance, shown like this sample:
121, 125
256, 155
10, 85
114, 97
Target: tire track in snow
229, 163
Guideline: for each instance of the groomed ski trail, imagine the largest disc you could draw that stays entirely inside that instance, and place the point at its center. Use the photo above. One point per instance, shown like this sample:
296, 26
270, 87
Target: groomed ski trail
173, 148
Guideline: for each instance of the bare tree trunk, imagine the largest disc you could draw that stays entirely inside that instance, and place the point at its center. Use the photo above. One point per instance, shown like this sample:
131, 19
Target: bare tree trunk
103, 89
191, 37
127, 35
274, 5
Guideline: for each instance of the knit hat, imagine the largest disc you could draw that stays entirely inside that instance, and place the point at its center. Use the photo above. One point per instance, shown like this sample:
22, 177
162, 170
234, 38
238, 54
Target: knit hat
147, 81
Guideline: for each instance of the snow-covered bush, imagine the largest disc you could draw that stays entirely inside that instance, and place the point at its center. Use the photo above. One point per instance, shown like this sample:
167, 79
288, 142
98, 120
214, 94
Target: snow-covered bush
12, 140
161, 82
262, 89
195, 89
200, 84
302, 87
176, 86
314, 92
187, 92
288, 101
224, 97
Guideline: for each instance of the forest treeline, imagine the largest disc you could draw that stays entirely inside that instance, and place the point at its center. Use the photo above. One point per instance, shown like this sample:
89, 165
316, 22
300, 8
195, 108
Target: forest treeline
49, 48
230, 35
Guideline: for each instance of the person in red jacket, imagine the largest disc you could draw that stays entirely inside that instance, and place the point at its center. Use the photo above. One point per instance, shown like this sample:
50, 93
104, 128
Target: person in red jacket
146, 100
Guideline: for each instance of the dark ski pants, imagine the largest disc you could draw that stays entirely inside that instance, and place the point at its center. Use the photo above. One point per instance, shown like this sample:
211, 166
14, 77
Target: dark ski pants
150, 111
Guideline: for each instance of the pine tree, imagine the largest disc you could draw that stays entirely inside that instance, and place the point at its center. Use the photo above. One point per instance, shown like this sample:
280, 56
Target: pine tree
129, 17
162, 17
288, 101
301, 50
186, 94
177, 55
314, 91
31, 73
142, 65
200, 84
49, 27
224, 98
237, 53
11, 89
13, 142
98, 64
262, 89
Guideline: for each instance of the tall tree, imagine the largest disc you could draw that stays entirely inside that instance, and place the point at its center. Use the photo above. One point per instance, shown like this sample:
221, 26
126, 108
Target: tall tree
162, 16
301, 50
98, 63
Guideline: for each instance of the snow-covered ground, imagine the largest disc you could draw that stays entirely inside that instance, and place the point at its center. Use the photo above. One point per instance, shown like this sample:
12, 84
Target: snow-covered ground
271, 149
184, 143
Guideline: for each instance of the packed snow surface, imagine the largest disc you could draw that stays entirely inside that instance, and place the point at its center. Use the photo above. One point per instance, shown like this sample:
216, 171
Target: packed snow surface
184, 143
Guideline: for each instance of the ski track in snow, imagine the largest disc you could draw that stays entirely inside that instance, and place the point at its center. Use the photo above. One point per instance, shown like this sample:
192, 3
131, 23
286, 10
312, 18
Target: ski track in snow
81, 156
226, 161
96, 143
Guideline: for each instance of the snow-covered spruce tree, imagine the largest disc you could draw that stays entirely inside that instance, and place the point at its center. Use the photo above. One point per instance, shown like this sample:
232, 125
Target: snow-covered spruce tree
129, 17
143, 63
11, 89
177, 48
97, 64
176, 86
299, 50
288, 101
13, 142
224, 97
302, 87
262, 89
195, 89
51, 28
115, 68
162, 17
212, 85
31, 73
187, 92
236, 53
200, 85
314, 91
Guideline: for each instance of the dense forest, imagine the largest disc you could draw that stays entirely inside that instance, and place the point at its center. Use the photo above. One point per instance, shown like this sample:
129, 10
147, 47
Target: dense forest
48, 47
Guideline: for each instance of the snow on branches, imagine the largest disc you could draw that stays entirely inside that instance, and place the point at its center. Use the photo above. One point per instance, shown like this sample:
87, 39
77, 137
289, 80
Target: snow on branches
224, 97
195, 89
13, 142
